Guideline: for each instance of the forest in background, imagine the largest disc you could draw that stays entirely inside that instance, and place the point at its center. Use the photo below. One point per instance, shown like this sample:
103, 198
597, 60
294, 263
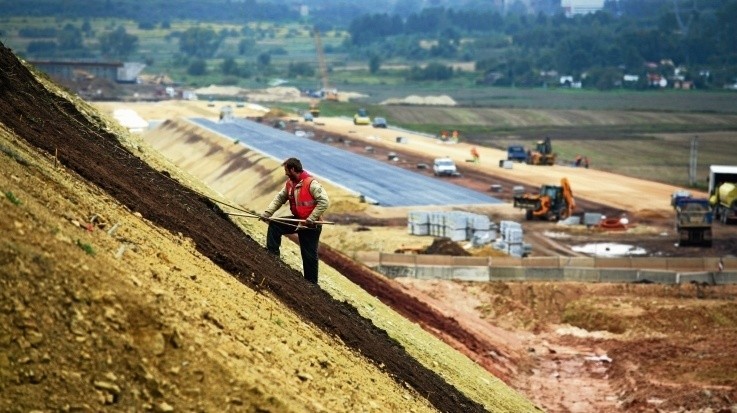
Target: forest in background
684, 40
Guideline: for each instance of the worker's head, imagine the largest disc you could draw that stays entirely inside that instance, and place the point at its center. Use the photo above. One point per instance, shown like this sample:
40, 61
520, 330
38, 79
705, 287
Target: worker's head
292, 168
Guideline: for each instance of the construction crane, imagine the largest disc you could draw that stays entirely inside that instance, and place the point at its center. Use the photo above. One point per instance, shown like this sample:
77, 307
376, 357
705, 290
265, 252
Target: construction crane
328, 93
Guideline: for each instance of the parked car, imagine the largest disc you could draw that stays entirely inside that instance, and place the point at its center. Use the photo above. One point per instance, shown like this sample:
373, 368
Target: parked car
379, 123
444, 167
308, 117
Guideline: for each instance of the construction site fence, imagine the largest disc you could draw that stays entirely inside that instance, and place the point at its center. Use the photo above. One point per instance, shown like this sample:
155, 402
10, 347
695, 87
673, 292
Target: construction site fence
666, 270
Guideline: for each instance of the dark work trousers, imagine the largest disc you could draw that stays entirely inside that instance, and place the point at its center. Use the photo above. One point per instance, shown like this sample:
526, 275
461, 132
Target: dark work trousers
309, 239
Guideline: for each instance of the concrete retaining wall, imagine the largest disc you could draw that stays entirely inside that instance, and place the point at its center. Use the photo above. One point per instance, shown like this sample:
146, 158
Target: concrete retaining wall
653, 270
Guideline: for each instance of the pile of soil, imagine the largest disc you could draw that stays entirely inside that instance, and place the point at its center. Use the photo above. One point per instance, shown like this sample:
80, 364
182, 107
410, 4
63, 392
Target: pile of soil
444, 246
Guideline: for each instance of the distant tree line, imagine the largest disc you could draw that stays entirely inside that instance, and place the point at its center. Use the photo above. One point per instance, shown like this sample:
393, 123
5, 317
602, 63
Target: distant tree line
153, 10
698, 38
521, 49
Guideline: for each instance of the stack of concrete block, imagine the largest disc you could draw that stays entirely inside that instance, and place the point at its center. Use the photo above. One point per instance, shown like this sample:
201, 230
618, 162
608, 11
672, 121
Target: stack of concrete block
456, 225
512, 239
418, 223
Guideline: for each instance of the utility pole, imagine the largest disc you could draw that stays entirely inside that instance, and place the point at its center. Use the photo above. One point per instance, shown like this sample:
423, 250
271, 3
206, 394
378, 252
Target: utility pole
693, 160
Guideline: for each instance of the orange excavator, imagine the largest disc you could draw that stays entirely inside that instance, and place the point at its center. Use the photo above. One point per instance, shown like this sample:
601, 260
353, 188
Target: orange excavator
552, 203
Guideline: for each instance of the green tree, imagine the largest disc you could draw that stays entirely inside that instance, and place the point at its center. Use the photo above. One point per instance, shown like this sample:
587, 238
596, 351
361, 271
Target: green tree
198, 67
246, 46
41, 47
199, 42
433, 71
69, 38
374, 63
300, 69
229, 66
264, 59
118, 43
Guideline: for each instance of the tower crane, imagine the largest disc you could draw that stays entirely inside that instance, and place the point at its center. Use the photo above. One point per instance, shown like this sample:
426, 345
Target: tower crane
328, 92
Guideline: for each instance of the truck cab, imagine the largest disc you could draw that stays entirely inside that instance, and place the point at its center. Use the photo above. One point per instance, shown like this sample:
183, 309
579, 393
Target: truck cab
516, 153
444, 167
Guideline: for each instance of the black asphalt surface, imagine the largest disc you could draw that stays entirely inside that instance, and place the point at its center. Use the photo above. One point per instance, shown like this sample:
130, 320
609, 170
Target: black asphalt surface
384, 184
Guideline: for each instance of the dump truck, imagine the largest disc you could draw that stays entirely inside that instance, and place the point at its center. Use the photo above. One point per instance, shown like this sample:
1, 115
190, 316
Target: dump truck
694, 217
543, 153
552, 203
723, 193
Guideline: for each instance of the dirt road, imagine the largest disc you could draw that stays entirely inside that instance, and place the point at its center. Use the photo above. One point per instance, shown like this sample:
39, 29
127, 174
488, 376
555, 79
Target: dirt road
619, 192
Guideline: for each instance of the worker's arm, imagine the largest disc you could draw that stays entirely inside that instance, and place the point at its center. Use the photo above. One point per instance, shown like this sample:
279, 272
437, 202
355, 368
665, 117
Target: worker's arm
279, 199
322, 202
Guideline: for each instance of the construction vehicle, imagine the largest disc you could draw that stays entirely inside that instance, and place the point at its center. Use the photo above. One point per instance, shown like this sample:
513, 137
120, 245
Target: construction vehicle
693, 219
328, 93
723, 192
543, 153
552, 203
724, 202
361, 117
516, 153
314, 109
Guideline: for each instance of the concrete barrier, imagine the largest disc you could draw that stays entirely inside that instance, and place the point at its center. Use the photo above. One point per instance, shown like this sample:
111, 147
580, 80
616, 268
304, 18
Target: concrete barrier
470, 273
604, 262
579, 262
507, 274
581, 274
543, 274
578, 269
656, 276
549, 262
686, 264
617, 275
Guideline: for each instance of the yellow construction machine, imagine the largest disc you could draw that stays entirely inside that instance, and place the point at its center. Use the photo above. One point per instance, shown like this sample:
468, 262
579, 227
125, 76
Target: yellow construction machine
552, 203
315, 108
543, 153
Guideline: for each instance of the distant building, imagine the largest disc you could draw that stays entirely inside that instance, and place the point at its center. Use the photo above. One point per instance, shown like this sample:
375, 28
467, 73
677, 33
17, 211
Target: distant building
575, 7
72, 70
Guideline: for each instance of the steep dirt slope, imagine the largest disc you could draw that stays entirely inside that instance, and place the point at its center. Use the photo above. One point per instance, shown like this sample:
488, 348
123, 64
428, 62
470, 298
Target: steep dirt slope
78, 142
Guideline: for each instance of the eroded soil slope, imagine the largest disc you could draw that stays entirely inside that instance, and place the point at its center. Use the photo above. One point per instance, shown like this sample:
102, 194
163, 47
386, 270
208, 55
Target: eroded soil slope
55, 126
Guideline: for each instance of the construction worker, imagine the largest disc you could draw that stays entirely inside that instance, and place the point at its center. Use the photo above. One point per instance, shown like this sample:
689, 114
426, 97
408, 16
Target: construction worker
475, 155
307, 202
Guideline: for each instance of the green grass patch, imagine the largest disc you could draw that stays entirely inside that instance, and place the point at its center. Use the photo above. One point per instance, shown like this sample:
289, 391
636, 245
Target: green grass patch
87, 248
12, 198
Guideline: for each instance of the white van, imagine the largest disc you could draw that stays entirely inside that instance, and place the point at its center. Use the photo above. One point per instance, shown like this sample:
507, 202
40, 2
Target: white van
444, 167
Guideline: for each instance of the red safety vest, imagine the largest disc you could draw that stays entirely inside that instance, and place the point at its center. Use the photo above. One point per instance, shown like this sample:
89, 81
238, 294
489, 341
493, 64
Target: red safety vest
303, 205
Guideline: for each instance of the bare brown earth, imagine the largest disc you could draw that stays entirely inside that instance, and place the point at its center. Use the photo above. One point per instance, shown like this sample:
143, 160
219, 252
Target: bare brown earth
553, 342
567, 347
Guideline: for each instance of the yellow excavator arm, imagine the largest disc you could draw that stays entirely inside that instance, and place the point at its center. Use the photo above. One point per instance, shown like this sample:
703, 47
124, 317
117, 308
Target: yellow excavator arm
568, 196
